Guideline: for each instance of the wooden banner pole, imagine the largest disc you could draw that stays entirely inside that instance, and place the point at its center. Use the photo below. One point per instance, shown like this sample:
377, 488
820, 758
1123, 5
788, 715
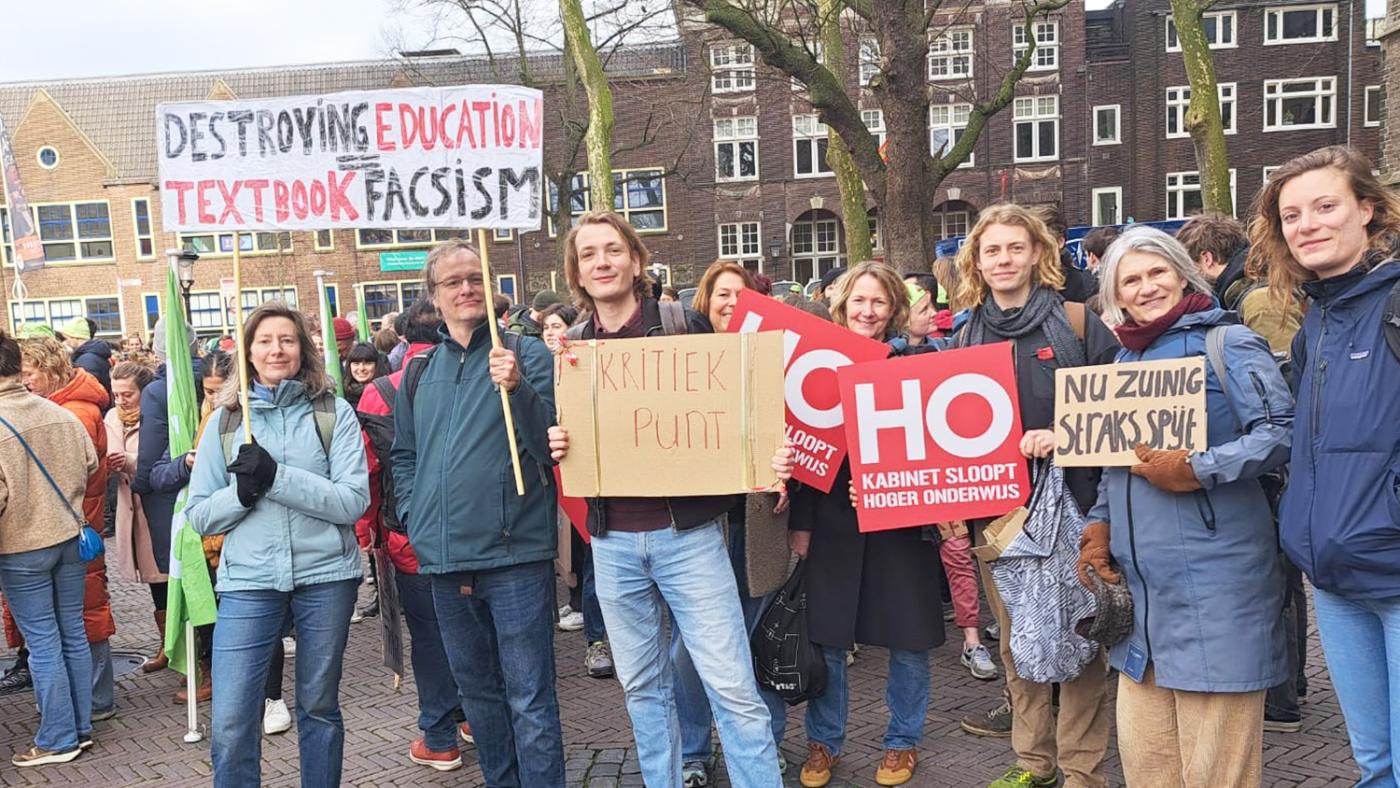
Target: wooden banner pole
481, 241
242, 342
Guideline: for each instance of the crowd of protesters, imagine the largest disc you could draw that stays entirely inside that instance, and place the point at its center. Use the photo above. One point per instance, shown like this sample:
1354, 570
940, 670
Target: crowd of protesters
1212, 547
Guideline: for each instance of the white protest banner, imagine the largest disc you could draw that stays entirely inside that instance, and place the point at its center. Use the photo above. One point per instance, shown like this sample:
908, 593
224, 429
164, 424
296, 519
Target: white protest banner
1102, 413
452, 157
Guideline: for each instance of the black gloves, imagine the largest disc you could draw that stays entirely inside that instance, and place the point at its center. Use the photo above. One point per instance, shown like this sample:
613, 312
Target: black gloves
254, 471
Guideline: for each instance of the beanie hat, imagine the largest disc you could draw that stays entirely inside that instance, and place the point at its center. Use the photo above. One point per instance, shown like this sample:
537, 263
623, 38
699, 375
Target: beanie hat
544, 299
158, 338
1113, 616
916, 293
37, 331
830, 277
343, 329
76, 328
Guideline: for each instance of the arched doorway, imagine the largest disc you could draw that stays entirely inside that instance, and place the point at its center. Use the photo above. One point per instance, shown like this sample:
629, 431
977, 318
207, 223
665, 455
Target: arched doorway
817, 244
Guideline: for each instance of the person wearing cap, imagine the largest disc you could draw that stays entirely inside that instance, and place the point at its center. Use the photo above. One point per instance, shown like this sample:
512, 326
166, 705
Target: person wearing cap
344, 335
530, 322
93, 355
827, 288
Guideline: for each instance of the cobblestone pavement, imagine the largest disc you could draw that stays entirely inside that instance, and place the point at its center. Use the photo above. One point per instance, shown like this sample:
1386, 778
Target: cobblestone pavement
143, 744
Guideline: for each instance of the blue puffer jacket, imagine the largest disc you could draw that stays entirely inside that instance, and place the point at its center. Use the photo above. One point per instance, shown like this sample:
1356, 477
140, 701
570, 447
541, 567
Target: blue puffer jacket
1203, 567
1340, 516
451, 460
302, 532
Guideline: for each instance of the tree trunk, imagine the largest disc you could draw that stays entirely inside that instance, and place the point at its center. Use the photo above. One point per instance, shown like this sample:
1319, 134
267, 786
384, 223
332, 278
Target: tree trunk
600, 113
906, 205
1203, 119
855, 217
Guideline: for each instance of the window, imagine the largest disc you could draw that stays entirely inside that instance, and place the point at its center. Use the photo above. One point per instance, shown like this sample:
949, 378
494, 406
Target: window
731, 68
1179, 100
1375, 106
381, 298
5, 241
103, 310
1108, 205
877, 241
1300, 103
145, 238
75, 232
875, 121
506, 286
256, 297
639, 195
48, 157
1047, 44
1106, 125
955, 223
378, 239
946, 124
1268, 172
1184, 193
1219, 27
151, 302
736, 149
818, 54
950, 55
1037, 128
501, 235
741, 243
869, 60
248, 242
809, 141
816, 248
1300, 25
325, 241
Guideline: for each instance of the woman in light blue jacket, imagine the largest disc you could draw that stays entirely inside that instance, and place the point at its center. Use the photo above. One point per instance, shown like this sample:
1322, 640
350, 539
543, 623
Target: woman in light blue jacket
286, 505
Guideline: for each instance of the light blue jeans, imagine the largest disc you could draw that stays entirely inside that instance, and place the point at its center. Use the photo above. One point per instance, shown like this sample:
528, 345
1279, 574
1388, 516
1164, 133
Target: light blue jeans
906, 696
638, 576
45, 591
103, 677
1361, 640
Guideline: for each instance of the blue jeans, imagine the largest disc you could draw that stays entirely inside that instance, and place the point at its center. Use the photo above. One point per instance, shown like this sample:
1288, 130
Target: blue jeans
498, 631
906, 696
1361, 640
437, 690
691, 705
593, 628
250, 626
103, 677
45, 591
638, 576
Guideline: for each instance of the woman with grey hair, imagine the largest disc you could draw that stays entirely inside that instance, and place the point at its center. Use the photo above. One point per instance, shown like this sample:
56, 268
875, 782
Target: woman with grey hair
1191, 534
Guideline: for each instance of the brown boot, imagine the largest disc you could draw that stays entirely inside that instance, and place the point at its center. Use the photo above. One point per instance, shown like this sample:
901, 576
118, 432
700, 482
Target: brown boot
204, 689
159, 661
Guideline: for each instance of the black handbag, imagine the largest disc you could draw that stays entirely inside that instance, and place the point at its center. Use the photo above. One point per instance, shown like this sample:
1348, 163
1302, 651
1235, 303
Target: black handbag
784, 659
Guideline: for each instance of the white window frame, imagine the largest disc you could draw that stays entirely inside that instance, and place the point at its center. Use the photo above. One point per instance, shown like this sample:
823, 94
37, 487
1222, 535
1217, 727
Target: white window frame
1035, 117
317, 246
739, 131
741, 242
1097, 217
149, 235
951, 127
952, 55
1047, 44
585, 200
1178, 101
820, 257
814, 139
954, 223
75, 239
398, 301
868, 57
502, 235
1275, 15
1178, 187
41, 310
1373, 102
874, 120
1117, 137
258, 242
732, 68
1323, 93
1268, 172
1174, 44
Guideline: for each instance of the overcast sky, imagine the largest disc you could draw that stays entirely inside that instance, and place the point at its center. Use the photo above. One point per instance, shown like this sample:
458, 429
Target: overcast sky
58, 39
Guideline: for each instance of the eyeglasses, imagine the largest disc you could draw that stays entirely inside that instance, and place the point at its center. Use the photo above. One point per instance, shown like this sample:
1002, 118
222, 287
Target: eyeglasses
455, 283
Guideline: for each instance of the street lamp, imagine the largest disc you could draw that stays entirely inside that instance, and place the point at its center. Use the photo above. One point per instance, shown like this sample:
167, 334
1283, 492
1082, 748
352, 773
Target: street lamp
183, 262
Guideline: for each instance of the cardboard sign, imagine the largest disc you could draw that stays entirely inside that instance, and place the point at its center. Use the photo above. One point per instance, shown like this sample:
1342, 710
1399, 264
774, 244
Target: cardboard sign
935, 437
452, 157
813, 349
699, 414
1102, 413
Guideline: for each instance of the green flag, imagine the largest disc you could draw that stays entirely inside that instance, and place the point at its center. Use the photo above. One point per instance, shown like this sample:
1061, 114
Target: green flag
364, 316
328, 339
191, 595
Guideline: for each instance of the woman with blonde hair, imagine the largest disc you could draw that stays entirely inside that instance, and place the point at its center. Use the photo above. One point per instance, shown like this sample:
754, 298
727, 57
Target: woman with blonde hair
1327, 228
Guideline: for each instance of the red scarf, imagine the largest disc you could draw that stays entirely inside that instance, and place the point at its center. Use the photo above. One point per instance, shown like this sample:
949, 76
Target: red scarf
1138, 338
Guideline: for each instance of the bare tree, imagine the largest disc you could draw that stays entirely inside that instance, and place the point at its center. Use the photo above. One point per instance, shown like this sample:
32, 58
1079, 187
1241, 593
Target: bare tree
1203, 119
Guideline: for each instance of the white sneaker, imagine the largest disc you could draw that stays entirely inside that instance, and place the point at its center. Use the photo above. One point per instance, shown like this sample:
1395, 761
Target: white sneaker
289, 646
357, 616
573, 622
276, 718
565, 610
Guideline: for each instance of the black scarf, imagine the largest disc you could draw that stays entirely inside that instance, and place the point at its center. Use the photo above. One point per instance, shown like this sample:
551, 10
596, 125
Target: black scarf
1044, 310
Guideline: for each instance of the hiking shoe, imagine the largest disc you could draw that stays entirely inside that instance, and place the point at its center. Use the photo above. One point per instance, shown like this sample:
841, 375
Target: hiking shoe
1281, 724
276, 718
572, 622
419, 753
694, 775
37, 757
816, 772
995, 723
992, 631
897, 767
978, 662
465, 731
16, 679
1016, 777
598, 660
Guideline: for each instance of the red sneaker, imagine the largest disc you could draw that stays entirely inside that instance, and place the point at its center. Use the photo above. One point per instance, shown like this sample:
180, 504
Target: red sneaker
446, 761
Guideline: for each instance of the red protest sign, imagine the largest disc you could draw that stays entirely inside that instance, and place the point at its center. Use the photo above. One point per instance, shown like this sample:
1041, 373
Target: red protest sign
576, 509
813, 349
934, 438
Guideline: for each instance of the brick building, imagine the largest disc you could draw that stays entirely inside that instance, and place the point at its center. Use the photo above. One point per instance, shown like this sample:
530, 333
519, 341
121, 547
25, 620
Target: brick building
716, 155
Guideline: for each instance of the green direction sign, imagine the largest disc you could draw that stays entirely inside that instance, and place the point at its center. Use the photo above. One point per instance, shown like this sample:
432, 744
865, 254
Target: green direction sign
403, 261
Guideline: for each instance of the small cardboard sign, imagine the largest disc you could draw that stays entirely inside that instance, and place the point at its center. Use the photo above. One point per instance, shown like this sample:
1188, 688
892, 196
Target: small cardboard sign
813, 349
934, 438
699, 414
1103, 412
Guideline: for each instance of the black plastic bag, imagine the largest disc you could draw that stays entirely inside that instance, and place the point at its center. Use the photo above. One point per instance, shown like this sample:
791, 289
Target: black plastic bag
784, 658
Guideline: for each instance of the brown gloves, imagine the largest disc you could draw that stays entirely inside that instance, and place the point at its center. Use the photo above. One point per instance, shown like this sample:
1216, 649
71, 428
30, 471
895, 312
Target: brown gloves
1094, 552
1166, 470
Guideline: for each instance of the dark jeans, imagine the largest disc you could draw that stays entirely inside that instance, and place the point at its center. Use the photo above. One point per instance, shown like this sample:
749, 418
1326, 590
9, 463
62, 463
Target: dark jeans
437, 690
498, 631
583, 597
1281, 702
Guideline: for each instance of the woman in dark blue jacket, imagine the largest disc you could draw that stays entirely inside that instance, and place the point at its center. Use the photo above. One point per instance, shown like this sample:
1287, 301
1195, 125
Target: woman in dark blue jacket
1327, 227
